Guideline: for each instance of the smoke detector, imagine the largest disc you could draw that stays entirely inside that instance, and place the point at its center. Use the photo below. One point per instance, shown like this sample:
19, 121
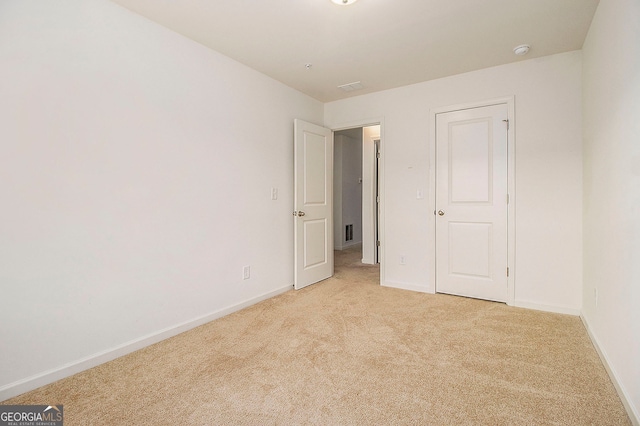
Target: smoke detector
521, 50
344, 2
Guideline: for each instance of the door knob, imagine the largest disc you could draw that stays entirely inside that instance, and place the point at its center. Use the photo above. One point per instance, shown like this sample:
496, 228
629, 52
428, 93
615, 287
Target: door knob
440, 212
301, 213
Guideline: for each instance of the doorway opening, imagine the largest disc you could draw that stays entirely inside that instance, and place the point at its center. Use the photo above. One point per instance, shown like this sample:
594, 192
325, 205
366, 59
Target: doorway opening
314, 199
356, 206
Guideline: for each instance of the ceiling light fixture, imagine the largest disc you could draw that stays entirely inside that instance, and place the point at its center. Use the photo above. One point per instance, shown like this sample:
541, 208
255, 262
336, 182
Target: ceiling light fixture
344, 2
521, 50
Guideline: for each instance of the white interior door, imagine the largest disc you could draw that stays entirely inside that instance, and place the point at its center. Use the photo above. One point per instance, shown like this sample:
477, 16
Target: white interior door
471, 202
313, 203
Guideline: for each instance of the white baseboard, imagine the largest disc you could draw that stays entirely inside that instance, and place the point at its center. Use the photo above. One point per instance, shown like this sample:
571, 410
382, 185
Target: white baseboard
517, 303
632, 412
547, 308
348, 245
406, 286
30, 383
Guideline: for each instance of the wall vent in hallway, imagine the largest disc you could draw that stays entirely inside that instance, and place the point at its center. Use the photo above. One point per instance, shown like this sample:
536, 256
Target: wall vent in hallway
348, 233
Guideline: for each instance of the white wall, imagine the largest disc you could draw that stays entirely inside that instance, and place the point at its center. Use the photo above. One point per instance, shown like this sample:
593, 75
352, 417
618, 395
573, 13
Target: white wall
348, 199
611, 80
135, 169
548, 172
352, 188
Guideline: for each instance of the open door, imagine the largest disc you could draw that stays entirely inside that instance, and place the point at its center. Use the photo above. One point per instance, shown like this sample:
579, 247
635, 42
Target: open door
313, 203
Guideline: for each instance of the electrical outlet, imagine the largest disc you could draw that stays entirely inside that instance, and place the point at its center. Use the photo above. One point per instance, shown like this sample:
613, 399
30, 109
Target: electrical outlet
595, 296
246, 272
402, 259
274, 193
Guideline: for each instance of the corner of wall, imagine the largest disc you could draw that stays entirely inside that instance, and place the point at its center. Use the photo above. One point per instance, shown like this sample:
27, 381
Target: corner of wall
632, 412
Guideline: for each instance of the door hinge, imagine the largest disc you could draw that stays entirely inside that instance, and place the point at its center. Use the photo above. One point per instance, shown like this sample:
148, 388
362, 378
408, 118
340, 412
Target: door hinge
378, 154
507, 121
378, 243
377, 198
507, 272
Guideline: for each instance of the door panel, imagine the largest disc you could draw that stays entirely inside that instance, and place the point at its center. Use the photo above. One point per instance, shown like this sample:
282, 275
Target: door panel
470, 249
471, 202
315, 173
313, 203
470, 162
315, 231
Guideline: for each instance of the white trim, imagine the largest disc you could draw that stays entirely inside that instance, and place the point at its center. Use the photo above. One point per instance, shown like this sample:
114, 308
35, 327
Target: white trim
632, 411
359, 123
546, 308
511, 188
69, 369
368, 186
364, 123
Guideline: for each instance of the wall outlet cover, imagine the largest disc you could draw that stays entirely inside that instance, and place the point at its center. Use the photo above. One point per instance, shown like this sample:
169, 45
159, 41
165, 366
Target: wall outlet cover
246, 272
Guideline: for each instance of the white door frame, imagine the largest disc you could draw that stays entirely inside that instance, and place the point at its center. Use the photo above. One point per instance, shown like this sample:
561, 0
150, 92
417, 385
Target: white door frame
511, 188
369, 206
364, 123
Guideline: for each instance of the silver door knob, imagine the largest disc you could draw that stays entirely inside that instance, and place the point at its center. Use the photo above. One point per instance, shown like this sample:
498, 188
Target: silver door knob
440, 212
301, 213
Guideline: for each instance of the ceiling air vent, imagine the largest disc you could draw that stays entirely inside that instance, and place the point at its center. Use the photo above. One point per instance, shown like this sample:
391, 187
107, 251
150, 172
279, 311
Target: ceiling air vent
350, 87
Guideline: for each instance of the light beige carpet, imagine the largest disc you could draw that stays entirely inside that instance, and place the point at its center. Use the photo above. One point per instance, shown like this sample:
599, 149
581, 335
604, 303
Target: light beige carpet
347, 351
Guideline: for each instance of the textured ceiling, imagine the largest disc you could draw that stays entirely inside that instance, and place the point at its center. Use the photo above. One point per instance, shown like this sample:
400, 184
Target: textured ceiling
381, 43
